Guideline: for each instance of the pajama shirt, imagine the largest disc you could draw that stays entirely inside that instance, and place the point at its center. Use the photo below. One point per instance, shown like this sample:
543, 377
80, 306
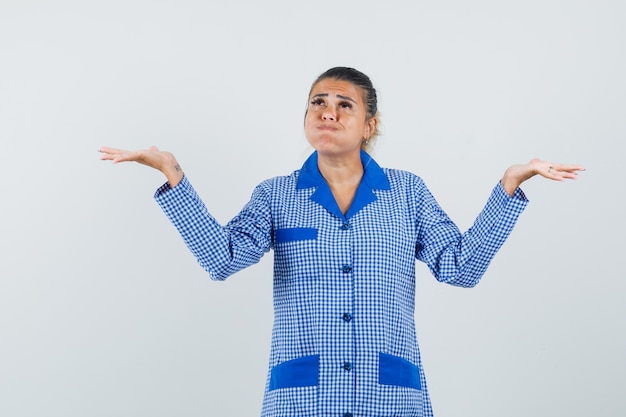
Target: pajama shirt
343, 340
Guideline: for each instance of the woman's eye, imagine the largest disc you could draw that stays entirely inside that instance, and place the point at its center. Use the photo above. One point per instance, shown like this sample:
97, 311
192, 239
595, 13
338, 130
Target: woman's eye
345, 105
317, 102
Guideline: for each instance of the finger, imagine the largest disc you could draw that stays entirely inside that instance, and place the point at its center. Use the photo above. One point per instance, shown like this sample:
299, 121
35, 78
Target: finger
551, 172
569, 168
127, 157
106, 156
112, 154
106, 149
561, 172
119, 156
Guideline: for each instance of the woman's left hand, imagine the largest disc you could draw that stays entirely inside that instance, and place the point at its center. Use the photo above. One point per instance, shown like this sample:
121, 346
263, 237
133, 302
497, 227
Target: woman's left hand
515, 175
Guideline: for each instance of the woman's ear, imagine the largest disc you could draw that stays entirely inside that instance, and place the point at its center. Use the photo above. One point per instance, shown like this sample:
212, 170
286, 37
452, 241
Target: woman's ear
370, 127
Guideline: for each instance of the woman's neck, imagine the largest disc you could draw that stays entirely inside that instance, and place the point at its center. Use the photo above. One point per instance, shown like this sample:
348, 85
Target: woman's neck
341, 171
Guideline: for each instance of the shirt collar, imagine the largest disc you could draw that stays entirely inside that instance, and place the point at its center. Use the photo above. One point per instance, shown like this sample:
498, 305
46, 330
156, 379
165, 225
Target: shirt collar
373, 178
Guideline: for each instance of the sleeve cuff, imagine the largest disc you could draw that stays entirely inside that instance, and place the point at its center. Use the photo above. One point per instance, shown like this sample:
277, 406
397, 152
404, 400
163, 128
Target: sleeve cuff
518, 195
162, 190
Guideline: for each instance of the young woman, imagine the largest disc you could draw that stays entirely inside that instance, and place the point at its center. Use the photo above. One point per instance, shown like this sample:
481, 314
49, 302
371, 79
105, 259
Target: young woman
345, 234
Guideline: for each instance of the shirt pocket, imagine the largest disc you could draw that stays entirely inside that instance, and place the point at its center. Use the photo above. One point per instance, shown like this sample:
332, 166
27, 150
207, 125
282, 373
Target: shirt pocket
294, 234
393, 370
300, 372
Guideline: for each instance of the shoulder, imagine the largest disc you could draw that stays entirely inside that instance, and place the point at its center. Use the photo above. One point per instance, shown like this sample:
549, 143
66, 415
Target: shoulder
281, 180
399, 178
408, 187
279, 184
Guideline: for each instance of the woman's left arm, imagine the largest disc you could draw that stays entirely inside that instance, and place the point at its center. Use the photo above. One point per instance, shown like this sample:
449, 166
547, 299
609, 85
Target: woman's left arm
461, 259
515, 175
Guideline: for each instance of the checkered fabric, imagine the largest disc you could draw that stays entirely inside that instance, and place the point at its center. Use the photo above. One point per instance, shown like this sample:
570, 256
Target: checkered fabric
343, 341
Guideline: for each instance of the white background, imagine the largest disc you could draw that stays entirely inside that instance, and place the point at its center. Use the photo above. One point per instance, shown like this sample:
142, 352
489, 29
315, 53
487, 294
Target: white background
103, 312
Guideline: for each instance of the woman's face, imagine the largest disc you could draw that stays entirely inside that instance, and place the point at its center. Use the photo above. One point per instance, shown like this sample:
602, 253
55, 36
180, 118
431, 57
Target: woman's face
336, 120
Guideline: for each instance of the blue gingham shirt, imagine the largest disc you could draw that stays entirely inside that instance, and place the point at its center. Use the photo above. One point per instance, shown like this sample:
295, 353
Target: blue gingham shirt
343, 341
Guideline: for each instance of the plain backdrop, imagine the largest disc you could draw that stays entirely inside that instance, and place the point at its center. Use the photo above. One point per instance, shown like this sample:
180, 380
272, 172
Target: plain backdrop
104, 312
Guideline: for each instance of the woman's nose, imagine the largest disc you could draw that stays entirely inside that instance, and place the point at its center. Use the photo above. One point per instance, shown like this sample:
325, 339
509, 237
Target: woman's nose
329, 114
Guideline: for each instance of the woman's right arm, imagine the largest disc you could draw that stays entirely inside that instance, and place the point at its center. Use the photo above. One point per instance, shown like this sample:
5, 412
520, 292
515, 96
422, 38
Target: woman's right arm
220, 250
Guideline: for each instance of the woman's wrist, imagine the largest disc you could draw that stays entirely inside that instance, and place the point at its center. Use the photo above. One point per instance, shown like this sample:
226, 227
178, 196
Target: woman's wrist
173, 172
512, 179
509, 185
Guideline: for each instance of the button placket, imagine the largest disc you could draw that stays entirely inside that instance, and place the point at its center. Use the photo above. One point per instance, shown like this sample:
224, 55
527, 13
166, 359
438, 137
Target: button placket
346, 237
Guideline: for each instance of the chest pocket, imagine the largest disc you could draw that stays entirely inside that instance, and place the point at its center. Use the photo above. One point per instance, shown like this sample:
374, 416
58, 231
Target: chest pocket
294, 234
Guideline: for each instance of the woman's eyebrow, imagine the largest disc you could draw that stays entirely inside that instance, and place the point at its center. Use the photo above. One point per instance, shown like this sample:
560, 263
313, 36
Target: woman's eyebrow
346, 98
338, 95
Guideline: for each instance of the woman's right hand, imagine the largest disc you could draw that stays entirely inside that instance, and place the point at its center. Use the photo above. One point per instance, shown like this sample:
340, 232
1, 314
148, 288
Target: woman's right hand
152, 157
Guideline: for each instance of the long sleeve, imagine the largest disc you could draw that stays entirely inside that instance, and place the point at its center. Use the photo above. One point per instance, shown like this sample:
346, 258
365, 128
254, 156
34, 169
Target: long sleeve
462, 259
220, 250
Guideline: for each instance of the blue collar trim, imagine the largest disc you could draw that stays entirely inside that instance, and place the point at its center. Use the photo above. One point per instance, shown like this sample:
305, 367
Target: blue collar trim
374, 178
